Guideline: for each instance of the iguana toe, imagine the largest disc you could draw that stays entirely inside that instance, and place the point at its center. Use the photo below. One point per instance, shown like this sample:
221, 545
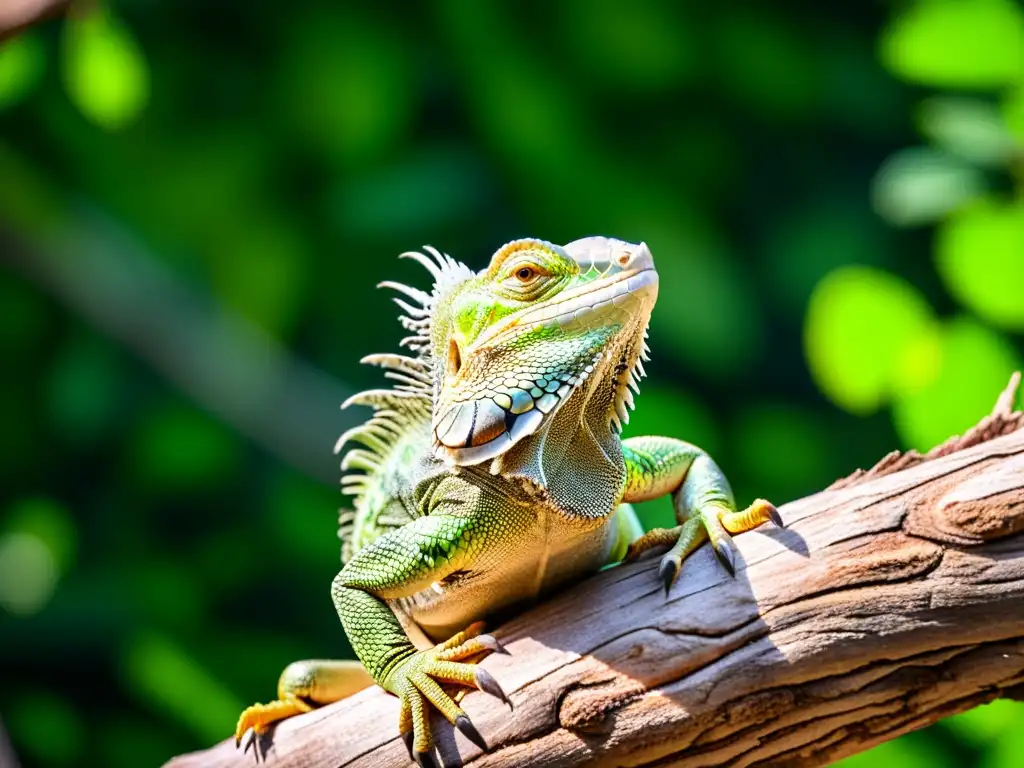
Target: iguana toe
426, 678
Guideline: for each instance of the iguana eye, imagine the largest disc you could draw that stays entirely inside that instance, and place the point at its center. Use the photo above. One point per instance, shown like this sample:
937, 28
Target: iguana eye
526, 274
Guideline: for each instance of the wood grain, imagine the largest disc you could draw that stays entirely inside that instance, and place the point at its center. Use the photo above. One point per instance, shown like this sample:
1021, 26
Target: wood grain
889, 601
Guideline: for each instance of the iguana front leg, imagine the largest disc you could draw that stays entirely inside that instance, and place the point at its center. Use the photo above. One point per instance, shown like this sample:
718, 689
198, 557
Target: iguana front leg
701, 496
399, 564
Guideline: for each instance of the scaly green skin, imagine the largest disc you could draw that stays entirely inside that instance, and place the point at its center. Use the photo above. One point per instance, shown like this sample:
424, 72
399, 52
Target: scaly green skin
493, 473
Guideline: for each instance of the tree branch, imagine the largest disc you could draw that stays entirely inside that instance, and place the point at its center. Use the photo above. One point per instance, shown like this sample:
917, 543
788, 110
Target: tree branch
888, 602
15, 15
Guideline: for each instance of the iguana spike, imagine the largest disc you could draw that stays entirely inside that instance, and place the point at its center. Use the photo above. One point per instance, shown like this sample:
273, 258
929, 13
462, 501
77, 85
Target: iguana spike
622, 411
413, 293
442, 259
409, 309
359, 459
397, 362
361, 435
430, 266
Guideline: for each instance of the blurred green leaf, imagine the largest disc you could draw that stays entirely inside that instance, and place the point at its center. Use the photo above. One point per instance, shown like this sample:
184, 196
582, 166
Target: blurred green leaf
867, 335
167, 679
22, 63
968, 128
975, 366
979, 253
47, 727
105, 71
983, 725
920, 185
1006, 743
957, 43
28, 573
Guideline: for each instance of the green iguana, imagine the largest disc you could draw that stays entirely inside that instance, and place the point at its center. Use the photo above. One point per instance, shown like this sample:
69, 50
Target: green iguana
493, 472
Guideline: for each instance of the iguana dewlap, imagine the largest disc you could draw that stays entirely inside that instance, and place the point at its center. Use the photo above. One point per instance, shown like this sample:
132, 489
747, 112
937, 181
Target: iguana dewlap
492, 472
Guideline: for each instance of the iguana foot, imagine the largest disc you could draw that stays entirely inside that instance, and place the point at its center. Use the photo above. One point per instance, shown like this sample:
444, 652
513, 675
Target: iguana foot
417, 681
260, 716
303, 686
712, 522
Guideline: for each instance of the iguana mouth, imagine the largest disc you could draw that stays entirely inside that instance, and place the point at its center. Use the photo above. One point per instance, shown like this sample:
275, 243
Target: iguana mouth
580, 305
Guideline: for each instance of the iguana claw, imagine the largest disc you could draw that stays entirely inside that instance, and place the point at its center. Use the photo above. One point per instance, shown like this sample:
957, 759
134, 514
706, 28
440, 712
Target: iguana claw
418, 680
712, 523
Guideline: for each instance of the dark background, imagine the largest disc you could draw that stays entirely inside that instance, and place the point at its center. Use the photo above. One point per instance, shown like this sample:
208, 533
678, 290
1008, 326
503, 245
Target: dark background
196, 200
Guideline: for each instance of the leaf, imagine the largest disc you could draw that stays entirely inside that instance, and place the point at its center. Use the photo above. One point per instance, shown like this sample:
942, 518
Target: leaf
22, 63
976, 362
967, 128
105, 71
919, 185
867, 335
979, 255
957, 44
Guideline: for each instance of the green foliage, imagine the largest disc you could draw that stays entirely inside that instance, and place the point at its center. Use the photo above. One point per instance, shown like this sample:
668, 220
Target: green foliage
158, 567
105, 73
868, 335
977, 244
957, 43
974, 362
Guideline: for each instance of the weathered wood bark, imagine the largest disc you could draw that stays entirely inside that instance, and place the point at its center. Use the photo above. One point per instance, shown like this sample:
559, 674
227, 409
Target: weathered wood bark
890, 600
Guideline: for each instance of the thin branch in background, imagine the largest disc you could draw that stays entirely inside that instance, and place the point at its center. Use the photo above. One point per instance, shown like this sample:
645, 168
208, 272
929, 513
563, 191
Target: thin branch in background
7, 757
15, 15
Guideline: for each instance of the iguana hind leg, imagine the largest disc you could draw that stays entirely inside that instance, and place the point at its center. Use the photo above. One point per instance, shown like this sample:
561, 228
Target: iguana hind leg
701, 496
303, 686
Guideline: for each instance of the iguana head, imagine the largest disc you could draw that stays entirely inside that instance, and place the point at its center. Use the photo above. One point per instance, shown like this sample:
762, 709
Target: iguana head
544, 324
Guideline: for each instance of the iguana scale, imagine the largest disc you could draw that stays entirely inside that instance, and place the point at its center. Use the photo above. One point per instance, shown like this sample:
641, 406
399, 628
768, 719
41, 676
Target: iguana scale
492, 472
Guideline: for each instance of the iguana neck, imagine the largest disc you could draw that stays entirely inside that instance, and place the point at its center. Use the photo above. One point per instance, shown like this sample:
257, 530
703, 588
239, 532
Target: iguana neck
576, 459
